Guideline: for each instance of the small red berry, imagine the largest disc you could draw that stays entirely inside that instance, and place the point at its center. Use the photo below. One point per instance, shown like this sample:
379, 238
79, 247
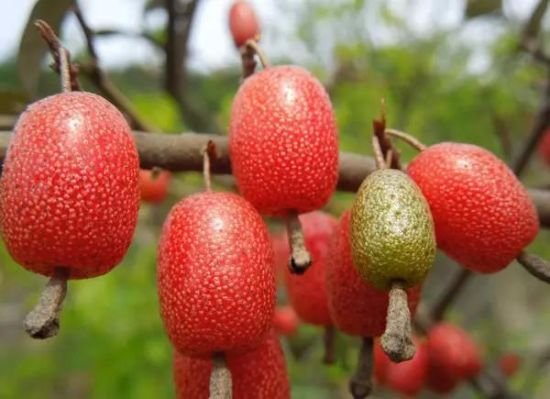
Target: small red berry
509, 364
215, 275
283, 141
441, 380
285, 320
409, 377
451, 348
69, 193
356, 307
153, 185
260, 373
483, 215
307, 292
243, 22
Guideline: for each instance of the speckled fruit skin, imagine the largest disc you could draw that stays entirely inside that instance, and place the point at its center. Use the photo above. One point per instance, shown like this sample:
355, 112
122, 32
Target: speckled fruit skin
283, 141
409, 377
285, 320
392, 232
483, 215
243, 22
356, 307
154, 186
308, 293
69, 190
544, 147
259, 374
451, 348
215, 275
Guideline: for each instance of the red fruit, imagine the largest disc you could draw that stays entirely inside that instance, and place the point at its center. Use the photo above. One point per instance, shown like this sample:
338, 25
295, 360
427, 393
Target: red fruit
509, 364
441, 380
215, 275
356, 307
451, 349
69, 190
243, 22
409, 377
544, 147
154, 185
283, 141
281, 252
260, 373
285, 320
483, 215
381, 362
307, 292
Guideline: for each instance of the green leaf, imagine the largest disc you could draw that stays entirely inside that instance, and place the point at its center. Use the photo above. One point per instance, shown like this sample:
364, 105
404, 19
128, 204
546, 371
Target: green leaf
476, 8
32, 48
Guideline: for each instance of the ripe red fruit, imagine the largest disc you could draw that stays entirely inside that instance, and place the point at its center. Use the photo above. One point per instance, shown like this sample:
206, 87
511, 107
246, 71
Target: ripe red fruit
441, 380
381, 362
483, 215
281, 253
285, 320
243, 22
544, 147
451, 349
308, 293
509, 364
260, 373
356, 307
215, 275
154, 185
409, 377
283, 141
69, 190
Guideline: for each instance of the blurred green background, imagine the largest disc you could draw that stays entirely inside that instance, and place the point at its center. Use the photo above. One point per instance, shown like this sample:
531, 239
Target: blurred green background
444, 75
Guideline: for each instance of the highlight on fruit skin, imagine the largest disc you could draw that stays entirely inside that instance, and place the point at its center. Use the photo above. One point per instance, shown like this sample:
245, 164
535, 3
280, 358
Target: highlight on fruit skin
483, 215
243, 22
69, 195
153, 185
260, 373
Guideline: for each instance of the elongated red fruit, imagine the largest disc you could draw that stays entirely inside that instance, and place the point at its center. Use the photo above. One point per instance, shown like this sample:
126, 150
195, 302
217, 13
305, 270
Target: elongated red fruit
153, 185
215, 275
69, 192
283, 141
243, 22
260, 373
308, 293
483, 215
356, 307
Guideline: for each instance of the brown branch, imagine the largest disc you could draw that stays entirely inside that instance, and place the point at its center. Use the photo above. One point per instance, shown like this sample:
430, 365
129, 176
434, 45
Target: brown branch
139, 35
535, 265
360, 385
102, 82
456, 285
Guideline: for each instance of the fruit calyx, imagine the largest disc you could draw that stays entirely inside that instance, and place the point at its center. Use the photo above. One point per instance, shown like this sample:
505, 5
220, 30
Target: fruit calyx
300, 258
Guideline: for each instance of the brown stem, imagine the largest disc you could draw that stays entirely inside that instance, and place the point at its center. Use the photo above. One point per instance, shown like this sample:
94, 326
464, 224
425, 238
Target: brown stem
378, 155
253, 44
536, 266
379, 128
412, 141
61, 56
451, 293
300, 259
220, 378
397, 339
329, 339
360, 384
43, 321
248, 61
208, 152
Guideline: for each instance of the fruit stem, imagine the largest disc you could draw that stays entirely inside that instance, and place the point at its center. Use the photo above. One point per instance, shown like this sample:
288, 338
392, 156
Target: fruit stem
220, 378
536, 266
360, 384
397, 339
300, 259
254, 46
378, 155
209, 151
329, 339
43, 321
412, 141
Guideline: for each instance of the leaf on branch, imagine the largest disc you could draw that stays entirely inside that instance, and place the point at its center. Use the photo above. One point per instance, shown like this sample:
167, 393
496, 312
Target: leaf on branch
32, 48
478, 8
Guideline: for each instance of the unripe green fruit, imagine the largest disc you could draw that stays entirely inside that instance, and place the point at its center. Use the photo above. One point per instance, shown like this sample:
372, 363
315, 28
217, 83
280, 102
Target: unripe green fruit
392, 231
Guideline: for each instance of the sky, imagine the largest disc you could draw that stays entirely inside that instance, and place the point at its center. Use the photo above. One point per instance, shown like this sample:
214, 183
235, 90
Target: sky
211, 46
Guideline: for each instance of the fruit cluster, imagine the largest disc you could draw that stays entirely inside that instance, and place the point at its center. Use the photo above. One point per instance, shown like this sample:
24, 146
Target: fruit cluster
69, 197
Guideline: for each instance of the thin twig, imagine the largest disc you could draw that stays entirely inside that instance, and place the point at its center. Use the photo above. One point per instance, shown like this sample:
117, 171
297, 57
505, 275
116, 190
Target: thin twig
255, 46
379, 128
360, 385
208, 153
411, 140
535, 265
378, 156
329, 338
452, 290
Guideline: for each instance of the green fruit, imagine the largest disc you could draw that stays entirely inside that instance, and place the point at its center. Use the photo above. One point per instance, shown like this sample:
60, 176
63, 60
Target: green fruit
392, 231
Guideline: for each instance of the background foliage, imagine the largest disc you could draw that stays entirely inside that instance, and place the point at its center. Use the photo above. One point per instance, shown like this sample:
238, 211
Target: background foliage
112, 344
